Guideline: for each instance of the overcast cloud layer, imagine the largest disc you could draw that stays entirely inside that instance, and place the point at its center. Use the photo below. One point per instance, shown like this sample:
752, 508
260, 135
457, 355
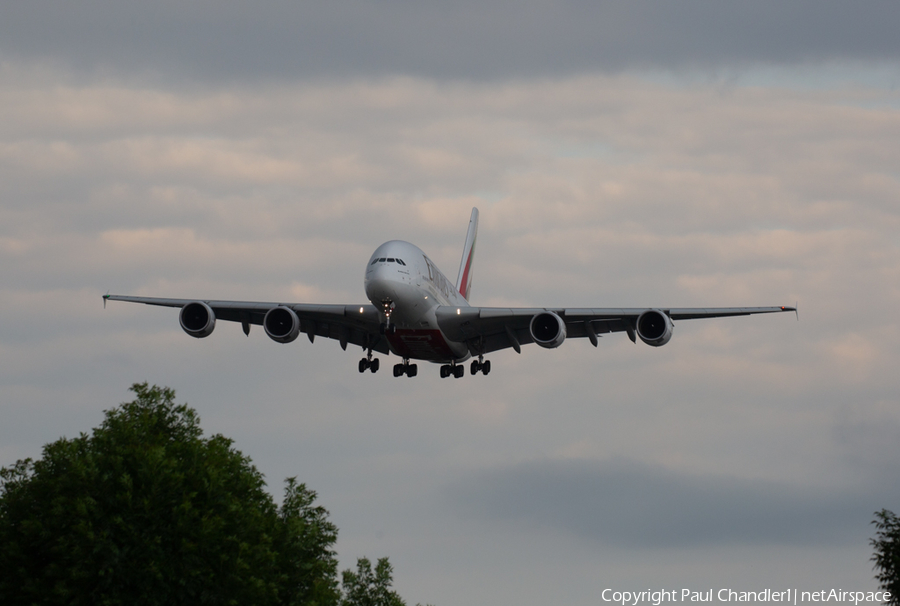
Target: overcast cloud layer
230, 40
629, 504
746, 453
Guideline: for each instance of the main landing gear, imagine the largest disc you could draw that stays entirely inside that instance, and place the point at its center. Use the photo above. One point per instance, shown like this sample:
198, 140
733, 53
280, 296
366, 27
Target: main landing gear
481, 365
369, 363
410, 370
458, 370
452, 369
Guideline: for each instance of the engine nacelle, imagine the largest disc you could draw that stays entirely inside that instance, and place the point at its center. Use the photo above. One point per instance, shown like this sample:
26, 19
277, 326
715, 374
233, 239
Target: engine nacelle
548, 330
197, 319
281, 324
654, 327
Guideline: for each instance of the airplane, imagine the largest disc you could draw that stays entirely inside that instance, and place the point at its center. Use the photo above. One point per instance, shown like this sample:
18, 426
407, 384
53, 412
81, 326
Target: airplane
416, 313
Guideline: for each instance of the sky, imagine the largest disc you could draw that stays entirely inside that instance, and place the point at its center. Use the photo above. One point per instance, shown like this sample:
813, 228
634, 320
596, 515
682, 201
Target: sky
690, 154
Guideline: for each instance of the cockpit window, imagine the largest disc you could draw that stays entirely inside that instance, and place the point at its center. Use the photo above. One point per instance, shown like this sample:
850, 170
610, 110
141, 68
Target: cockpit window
388, 260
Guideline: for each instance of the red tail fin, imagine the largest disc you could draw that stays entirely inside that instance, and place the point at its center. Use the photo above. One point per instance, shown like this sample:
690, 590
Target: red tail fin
464, 281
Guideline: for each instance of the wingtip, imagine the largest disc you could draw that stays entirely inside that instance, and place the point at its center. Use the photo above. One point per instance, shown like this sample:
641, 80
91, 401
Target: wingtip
795, 309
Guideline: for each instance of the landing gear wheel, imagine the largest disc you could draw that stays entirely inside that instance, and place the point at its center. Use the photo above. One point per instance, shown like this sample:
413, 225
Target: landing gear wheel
373, 366
412, 370
445, 371
398, 370
363, 365
459, 371
480, 365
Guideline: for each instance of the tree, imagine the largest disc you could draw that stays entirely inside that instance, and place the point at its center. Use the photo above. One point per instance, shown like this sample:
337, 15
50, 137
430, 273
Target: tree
306, 562
147, 511
887, 552
365, 588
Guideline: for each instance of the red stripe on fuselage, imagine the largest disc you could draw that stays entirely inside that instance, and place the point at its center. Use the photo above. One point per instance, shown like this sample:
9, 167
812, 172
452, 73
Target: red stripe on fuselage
420, 344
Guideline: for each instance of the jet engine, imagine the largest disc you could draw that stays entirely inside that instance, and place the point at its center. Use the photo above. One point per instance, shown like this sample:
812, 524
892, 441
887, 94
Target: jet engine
281, 324
654, 327
548, 330
197, 319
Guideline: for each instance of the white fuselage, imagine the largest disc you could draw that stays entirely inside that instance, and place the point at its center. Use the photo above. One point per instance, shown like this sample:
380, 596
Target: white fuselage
400, 274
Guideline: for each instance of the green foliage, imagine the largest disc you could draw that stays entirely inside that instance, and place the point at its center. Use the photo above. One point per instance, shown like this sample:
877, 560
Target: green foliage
367, 588
887, 552
306, 563
146, 511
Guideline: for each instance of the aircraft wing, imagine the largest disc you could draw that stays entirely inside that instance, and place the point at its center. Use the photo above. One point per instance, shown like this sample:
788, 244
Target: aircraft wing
488, 329
356, 324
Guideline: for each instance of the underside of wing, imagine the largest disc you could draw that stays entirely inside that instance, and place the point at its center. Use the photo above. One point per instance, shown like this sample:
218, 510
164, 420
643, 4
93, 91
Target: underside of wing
487, 329
283, 322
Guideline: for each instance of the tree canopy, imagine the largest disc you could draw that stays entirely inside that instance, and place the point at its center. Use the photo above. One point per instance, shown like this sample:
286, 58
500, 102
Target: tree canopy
887, 552
366, 587
145, 510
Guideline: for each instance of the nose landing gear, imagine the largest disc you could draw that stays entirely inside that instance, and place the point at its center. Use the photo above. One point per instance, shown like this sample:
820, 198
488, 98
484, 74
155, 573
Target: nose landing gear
386, 328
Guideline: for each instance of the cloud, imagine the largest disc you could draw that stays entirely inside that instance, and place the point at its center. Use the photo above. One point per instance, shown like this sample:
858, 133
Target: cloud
630, 504
222, 40
594, 190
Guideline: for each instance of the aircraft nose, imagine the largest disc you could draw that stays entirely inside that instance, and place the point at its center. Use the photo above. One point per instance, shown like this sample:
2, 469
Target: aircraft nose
379, 284
380, 273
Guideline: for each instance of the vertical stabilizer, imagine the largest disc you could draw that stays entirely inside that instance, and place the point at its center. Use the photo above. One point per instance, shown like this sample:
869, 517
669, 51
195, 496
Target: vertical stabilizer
464, 281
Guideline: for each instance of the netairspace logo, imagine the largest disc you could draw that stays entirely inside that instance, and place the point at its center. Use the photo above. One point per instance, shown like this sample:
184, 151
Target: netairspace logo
786, 596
